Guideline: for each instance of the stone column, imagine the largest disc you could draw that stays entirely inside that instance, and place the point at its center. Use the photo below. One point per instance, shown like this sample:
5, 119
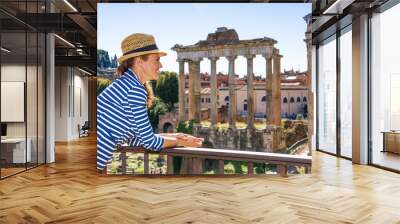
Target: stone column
191, 89
250, 92
194, 69
214, 88
276, 90
310, 98
232, 92
268, 91
182, 102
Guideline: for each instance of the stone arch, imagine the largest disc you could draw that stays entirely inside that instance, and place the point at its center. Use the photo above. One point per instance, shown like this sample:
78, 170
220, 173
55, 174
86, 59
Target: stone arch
226, 99
263, 99
168, 122
168, 127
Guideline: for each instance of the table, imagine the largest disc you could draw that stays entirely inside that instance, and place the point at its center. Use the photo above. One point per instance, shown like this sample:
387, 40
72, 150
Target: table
13, 150
391, 141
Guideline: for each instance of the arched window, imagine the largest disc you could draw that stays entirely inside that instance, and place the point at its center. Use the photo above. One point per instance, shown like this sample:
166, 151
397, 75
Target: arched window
263, 99
291, 99
284, 100
304, 99
298, 100
226, 99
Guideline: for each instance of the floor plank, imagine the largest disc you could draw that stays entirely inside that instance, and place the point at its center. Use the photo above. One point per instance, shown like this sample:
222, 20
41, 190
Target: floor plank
70, 191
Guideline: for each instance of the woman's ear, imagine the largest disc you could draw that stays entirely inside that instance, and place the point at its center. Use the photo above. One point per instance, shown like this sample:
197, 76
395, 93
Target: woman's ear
137, 61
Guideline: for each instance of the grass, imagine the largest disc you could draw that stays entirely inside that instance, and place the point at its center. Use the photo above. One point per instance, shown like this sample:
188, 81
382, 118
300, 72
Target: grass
239, 125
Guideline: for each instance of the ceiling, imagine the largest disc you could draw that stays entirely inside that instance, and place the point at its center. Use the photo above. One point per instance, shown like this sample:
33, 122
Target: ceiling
74, 22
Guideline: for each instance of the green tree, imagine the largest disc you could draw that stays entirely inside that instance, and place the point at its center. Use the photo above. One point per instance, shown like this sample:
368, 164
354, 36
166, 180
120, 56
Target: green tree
185, 127
102, 84
114, 62
167, 89
99, 58
158, 108
104, 61
305, 111
153, 84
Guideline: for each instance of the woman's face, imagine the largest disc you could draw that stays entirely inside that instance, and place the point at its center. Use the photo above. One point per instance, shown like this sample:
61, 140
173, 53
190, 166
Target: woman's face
151, 66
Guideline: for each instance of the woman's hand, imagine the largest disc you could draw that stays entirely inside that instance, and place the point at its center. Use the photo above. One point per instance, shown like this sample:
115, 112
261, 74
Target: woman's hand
188, 140
181, 139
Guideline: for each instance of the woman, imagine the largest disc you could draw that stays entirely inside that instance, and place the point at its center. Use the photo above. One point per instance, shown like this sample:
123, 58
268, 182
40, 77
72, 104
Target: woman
122, 107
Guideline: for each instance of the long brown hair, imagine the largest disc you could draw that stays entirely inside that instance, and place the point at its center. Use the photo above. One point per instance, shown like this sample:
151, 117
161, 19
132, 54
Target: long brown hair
123, 67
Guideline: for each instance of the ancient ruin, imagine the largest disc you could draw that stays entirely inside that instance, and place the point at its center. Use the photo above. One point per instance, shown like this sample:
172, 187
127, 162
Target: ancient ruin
226, 43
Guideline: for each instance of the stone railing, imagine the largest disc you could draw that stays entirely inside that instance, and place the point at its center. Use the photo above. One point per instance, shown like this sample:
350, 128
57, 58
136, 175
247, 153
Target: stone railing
194, 157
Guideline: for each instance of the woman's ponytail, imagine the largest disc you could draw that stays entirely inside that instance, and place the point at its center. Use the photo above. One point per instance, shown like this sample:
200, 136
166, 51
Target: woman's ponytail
150, 94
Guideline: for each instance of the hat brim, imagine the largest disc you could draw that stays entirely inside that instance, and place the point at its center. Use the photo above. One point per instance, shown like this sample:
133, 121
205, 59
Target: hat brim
132, 55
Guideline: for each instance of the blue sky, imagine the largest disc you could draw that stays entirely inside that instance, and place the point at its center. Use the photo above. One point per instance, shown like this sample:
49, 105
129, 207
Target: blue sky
187, 23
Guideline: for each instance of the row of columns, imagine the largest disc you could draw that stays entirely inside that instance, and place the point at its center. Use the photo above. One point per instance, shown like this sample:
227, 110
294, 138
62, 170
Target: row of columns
273, 96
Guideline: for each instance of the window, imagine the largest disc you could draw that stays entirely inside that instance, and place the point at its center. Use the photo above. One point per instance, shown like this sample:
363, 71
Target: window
346, 93
304, 99
298, 100
284, 100
385, 83
22, 74
291, 99
326, 95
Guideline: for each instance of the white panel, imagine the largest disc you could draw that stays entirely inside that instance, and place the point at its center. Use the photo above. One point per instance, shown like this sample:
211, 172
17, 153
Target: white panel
395, 102
12, 101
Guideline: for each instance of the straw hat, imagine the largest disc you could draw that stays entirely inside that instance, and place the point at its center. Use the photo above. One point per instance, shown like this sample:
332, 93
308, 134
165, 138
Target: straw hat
138, 44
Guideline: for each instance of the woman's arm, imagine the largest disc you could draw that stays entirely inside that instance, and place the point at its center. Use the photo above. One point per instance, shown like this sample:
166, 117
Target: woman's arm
179, 139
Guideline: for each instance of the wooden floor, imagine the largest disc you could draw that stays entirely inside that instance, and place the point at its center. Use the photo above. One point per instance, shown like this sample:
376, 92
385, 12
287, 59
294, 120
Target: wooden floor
70, 191
386, 159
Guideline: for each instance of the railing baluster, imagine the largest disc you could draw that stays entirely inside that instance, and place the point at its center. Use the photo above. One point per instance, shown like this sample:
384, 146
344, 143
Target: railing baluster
123, 158
308, 169
186, 165
250, 169
282, 170
221, 167
170, 164
146, 162
193, 160
197, 166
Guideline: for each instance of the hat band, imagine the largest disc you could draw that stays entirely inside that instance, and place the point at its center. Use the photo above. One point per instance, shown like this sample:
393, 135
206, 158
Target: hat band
147, 48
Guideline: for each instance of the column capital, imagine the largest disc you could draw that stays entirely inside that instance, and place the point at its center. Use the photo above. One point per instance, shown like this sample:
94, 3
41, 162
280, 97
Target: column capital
213, 58
196, 60
231, 58
181, 60
249, 56
267, 55
276, 53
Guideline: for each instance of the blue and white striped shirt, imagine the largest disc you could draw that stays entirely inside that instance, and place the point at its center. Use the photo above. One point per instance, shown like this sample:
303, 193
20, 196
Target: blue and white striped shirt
122, 118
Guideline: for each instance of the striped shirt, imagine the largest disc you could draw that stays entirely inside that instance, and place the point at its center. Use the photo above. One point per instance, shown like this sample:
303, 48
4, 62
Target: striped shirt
122, 118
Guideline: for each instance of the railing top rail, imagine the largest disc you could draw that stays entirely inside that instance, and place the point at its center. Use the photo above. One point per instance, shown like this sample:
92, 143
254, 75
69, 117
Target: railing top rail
226, 154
